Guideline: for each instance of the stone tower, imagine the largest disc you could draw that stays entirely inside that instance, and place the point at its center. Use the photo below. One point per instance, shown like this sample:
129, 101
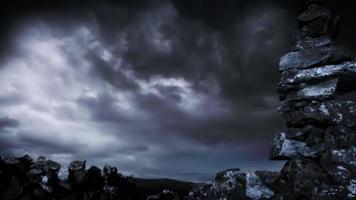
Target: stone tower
319, 143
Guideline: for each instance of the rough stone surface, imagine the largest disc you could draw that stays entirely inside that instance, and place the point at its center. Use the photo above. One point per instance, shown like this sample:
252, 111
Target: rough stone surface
313, 12
320, 91
238, 184
283, 148
295, 77
309, 43
344, 74
340, 113
307, 58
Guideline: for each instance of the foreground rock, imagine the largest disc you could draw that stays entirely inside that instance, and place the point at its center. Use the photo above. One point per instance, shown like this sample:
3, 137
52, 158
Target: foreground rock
237, 184
23, 178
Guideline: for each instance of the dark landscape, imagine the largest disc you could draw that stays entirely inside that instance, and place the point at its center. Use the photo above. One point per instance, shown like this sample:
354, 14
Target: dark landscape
316, 94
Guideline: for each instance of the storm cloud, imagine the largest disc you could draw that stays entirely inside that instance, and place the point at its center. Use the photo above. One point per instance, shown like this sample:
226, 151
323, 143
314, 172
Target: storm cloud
176, 89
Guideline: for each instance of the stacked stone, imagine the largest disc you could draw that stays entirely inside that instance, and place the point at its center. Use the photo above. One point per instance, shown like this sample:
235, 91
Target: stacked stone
320, 141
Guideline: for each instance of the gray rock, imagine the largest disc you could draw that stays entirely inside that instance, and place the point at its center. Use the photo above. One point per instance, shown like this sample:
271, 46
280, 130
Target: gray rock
40, 163
52, 170
230, 184
351, 188
344, 157
237, 184
45, 167
283, 148
268, 178
326, 113
308, 58
255, 189
340, 136
305, 176
109, 171
339, 174
318, 27
318, 74
313, 12
309, 134
26, 159
77, 173
77, 165
310, 43
296, 134
310, 114
293, 81
315, 135
11, 161
321, 91
333, 193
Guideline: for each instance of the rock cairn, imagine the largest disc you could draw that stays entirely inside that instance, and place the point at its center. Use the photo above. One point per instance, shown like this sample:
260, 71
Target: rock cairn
320, 141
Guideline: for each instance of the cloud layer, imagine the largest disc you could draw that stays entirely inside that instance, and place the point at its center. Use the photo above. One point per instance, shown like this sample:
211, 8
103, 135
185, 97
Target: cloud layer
160, 89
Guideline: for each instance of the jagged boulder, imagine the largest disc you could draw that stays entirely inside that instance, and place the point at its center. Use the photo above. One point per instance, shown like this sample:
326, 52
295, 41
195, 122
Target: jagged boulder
283, 148
238, 184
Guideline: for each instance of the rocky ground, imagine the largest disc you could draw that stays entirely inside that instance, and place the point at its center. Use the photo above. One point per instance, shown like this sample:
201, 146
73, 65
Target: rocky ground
24, 178
27, 179
319, 144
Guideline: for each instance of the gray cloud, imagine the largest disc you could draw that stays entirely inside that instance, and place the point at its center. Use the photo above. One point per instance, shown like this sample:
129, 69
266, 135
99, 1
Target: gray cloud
6, 122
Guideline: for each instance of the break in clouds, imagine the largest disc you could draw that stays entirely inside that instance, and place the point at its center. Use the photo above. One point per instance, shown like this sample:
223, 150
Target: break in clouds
160, 89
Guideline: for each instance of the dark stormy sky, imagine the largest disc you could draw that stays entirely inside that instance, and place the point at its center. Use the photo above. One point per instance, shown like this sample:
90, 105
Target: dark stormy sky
160, 88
